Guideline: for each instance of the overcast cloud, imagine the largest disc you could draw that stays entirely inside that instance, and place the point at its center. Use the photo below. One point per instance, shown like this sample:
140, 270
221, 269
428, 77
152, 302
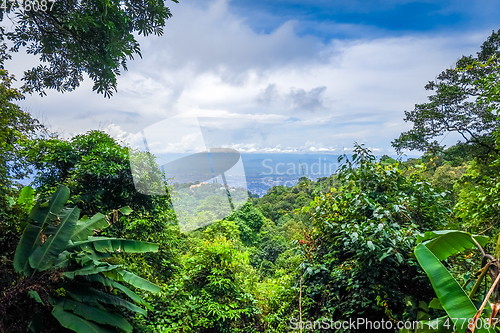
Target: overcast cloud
265, 88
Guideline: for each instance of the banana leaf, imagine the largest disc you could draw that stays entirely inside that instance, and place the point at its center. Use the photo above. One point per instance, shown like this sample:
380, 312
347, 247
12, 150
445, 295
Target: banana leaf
110, 283
452, 297
45, 255
91, 269
43, 213
31, 238
76, 323
62, 260
85, 227
105, 244
134, 280
92, 296
445, 243
95, 314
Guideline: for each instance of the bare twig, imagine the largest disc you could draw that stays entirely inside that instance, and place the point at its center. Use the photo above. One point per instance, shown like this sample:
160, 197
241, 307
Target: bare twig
478, 314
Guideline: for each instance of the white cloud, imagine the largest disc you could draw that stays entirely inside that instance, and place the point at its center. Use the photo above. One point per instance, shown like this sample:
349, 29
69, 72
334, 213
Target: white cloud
264, 92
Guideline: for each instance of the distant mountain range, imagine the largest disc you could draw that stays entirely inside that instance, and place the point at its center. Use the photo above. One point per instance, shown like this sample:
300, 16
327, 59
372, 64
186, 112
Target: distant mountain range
256, 172
264, 171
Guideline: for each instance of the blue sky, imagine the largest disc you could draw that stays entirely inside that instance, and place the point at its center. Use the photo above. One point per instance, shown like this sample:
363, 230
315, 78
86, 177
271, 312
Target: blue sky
281, 76
380, 17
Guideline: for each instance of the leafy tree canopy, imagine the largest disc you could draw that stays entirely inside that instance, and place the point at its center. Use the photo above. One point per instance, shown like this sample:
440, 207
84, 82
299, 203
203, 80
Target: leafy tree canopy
15, 127
454, 107
479, 196
358, 261
214, 293
73, 38
249, 220
93, 165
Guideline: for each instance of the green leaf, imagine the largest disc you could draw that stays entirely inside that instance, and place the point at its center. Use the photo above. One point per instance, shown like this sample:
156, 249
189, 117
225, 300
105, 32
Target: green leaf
110, 283
105, 244
76, 323
452, 297
435, 304
85, 227
95, 314
91, 295
44, 256
26, 196
445, 243
90, 269
136, 281
385, 255
31, 238
125, 210
33, 294
43, 215
399, 257
61, 261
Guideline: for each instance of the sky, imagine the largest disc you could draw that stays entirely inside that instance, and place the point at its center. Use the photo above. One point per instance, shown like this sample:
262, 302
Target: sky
276, 76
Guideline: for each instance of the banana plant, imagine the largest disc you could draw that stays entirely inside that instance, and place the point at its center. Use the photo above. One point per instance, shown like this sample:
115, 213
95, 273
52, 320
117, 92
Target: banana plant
60, 244
463, 316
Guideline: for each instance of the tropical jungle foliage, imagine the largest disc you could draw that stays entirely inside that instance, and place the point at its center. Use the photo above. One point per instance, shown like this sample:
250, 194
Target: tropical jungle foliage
382, 239
62, 262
